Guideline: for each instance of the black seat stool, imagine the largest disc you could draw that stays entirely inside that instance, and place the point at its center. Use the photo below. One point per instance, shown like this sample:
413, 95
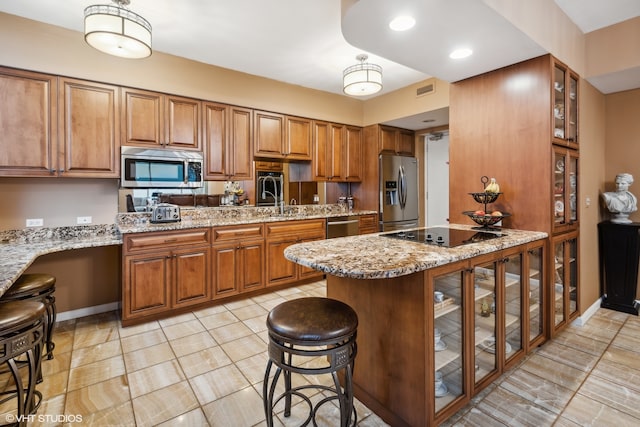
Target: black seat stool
38, 287
307, 328
22, 325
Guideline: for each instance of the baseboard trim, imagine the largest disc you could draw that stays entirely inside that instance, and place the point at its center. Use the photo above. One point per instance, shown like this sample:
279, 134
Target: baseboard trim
586, 315
87, 311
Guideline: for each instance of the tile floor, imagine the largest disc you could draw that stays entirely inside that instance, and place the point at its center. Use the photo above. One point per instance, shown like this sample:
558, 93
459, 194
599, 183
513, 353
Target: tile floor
206, 368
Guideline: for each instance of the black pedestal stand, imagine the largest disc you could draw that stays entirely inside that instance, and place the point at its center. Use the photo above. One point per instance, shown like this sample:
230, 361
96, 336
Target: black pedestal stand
619, 246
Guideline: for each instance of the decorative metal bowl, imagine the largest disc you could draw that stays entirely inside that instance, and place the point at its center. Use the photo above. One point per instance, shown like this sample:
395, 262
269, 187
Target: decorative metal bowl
485, 198
487, 219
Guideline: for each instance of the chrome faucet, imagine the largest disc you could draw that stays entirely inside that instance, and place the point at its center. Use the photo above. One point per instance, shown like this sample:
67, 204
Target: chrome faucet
278, 199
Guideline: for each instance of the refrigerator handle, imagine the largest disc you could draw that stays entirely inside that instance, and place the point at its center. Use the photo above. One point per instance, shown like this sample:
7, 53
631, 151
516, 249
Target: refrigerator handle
402, 179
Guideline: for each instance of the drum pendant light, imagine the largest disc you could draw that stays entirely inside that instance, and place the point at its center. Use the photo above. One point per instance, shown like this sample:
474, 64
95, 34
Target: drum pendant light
117, 31
362, 79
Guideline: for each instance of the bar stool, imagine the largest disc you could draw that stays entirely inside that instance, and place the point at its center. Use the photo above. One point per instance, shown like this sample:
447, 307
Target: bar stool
37, 287
311, 328
22, 326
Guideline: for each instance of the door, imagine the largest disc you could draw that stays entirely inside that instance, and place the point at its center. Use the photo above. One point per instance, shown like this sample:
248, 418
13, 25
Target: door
437, 175
191, 278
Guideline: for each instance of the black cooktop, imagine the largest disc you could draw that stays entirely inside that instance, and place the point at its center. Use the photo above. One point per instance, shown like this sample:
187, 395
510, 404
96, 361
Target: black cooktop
443, 236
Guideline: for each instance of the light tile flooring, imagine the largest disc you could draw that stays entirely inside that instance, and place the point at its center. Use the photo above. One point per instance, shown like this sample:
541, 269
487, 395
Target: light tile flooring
206, 368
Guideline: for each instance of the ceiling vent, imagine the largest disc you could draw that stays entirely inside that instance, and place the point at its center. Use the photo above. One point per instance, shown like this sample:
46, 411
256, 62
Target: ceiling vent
425, 90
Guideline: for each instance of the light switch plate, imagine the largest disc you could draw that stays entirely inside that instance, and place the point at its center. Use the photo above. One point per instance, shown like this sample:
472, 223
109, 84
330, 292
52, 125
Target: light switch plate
84, 220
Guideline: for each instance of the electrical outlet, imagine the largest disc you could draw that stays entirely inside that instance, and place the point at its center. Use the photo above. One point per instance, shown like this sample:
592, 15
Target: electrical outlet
84, 220
35, 222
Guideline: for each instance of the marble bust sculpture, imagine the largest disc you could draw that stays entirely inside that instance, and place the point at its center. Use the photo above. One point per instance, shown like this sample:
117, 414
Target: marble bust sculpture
621, 202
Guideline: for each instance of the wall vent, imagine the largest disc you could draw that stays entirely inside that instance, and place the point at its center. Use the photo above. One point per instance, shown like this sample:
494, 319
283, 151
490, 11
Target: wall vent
424, 90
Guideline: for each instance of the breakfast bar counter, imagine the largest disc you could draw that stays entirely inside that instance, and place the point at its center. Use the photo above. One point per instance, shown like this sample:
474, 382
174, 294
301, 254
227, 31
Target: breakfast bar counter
375, 256
412, 297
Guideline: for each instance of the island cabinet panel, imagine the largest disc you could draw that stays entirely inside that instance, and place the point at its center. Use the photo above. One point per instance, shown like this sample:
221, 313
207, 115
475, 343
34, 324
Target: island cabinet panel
28, 123
238, 259
431, 340
89, 130
165, 271
279, 236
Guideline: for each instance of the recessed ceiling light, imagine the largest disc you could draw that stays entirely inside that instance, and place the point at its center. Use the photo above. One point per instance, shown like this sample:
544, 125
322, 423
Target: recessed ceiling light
402, 23
460, 53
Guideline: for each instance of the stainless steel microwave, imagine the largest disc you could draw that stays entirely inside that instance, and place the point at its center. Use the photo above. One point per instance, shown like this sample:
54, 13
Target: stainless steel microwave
152, 168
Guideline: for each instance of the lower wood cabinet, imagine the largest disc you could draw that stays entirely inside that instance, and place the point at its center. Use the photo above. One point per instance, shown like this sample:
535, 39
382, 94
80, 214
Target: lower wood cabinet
279, 236
164, 271
238, 259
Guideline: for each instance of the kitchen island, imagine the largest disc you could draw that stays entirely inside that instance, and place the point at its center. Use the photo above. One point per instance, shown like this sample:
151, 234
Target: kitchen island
390, 282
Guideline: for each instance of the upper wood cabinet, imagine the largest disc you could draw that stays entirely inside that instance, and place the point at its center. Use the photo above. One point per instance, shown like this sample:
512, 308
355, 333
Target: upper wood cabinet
227, 140
89, 129
337, 152
57, 127
156, 119
564, 96
392, 140
28, 123
279, 136
353, 154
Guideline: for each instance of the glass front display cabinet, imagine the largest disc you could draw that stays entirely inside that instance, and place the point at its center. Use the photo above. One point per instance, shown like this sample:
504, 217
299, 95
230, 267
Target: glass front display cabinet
448, 337
565, 288
565, 190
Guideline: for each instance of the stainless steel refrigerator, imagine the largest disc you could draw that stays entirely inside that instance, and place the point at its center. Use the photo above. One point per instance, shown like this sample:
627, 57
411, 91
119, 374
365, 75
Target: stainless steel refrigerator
398, 192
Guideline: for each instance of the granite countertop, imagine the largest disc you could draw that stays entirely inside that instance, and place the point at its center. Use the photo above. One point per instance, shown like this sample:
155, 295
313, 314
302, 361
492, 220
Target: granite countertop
19, 248
373, 256
212, 217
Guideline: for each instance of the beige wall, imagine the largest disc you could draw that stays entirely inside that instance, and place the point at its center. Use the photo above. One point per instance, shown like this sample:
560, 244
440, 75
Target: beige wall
614, 48
592, 175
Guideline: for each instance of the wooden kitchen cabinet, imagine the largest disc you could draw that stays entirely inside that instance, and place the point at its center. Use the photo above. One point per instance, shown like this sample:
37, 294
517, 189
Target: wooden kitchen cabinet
279, 236
279, 136
392, 140
262, 165
228, 142
565, 105
565, 289
28, 123
337, 152
502, 131
565, 189
89, 130
164, 271
57, 126
238, 259
152, 119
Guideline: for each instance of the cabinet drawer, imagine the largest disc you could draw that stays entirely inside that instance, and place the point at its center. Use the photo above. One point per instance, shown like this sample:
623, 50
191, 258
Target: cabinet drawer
296, 228
238, 232
160, 240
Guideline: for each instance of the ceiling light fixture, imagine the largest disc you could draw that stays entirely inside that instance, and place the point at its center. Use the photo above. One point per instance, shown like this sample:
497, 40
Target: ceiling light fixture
362, 79
402, 23
460, 53
117, 31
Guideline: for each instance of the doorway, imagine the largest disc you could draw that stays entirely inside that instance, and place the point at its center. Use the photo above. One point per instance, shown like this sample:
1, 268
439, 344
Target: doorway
436, 155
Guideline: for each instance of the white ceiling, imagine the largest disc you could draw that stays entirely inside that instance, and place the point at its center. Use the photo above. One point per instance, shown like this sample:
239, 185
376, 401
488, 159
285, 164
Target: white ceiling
304, 42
